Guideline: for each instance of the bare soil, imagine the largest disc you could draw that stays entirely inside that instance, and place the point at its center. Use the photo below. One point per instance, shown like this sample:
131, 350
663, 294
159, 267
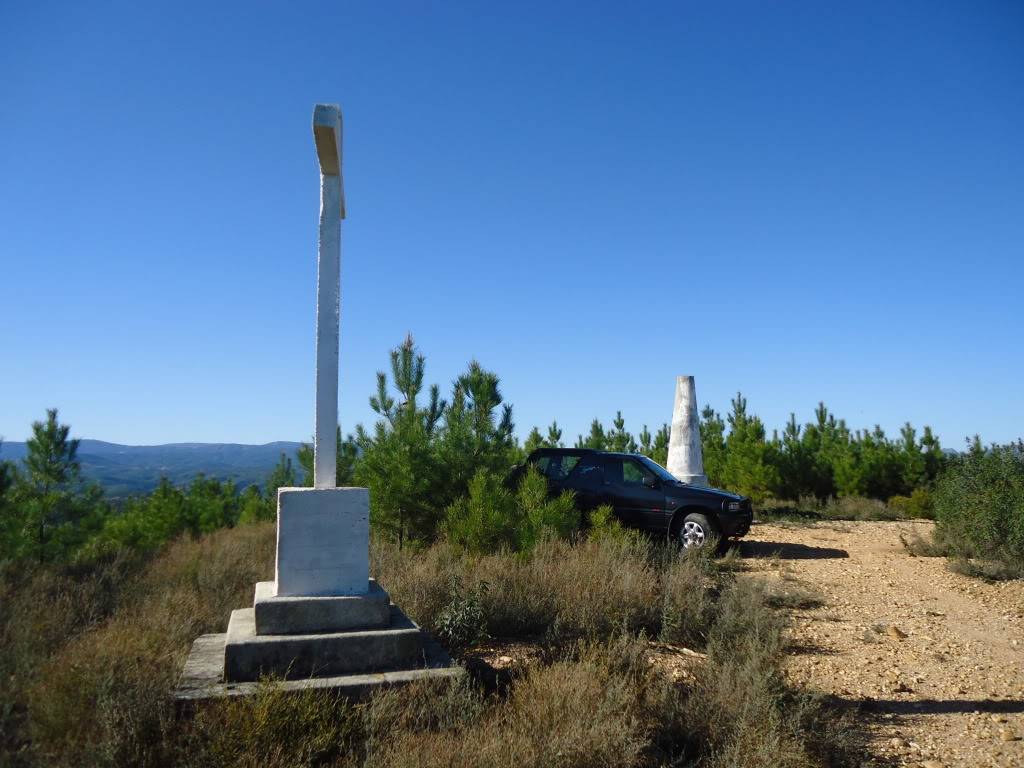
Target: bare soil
931, 661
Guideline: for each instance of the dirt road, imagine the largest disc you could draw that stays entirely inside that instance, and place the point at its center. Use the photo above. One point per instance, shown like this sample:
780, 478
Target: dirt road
935, 660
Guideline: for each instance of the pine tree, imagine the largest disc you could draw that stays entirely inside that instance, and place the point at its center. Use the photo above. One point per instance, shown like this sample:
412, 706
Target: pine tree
596, 439
618, 439
795, 469
52, 460
398, 461
644, 439
534, 440
52, 473
659, 452
749, 466
712, 439
10, 524
554, 438
282, 476
934, 457
7, 470
347, 454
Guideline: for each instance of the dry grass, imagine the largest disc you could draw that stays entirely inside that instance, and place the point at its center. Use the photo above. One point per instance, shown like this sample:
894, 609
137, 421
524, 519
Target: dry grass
810, 509
103, 698
560, 591
938, 545
94, 689
563, 592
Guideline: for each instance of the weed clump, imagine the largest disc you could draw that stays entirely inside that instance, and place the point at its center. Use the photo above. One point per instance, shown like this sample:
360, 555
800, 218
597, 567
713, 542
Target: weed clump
979, 510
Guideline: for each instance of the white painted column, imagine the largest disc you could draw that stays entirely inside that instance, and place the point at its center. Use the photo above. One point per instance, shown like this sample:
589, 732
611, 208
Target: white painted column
327, 135
685, 457
328, 309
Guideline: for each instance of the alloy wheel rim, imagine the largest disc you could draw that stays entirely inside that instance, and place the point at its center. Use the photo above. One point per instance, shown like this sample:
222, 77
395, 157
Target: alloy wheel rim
693, 534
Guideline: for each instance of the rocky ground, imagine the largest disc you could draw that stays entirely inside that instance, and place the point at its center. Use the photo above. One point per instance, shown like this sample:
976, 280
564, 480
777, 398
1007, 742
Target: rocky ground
932, 661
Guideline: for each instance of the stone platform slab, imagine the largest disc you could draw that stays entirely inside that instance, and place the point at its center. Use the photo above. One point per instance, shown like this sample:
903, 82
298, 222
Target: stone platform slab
294, 615
248, 656
202, 679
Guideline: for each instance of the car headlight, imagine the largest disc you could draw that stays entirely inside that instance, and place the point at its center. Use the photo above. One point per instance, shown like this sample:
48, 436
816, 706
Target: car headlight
734, 506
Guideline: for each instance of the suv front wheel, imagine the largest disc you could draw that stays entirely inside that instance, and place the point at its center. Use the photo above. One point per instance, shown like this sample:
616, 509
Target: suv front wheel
695, 531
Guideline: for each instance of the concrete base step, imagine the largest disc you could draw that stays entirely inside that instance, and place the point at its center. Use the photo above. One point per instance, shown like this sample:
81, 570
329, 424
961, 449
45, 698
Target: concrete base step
249, 656
202, 679
280, 615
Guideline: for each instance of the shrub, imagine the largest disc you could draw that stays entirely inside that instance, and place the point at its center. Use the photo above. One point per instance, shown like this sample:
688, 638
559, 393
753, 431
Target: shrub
273, 728
560, 590
979, 505
461, 623
739, 710
917, 505
808, 508
491, 518
691, 587
857, 508
589, 709
485, 519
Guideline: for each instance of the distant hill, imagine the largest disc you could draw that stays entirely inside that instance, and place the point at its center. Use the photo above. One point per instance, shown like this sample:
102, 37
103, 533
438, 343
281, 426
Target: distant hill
125, 470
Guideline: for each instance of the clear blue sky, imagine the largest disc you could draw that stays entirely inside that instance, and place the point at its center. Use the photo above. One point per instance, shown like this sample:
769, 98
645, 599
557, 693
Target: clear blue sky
803, 201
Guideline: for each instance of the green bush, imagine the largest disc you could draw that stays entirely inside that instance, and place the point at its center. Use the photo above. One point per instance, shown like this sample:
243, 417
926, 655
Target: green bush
917, 505
979, 505
484, 520
603, 524
461, 622
491, 518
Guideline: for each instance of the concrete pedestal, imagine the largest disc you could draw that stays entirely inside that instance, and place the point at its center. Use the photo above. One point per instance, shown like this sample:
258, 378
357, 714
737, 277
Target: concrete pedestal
348, 644
323, 541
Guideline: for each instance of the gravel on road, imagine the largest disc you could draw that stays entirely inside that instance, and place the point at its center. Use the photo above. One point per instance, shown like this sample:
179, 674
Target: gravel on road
932, 661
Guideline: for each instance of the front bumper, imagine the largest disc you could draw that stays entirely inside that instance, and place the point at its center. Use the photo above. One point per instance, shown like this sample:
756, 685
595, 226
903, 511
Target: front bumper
736, 524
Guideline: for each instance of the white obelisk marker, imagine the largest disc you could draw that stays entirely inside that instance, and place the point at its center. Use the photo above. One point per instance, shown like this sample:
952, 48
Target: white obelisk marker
323, 532
685, 458
327, 134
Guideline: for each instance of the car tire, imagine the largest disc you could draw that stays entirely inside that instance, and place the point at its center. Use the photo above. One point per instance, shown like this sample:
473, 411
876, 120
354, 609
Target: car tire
695, 531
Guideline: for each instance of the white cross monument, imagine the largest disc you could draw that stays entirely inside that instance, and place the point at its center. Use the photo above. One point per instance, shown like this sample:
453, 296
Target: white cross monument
323, 622
323, 532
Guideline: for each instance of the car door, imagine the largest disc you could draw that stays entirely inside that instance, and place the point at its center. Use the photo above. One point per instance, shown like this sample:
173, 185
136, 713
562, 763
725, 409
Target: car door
639, 499
587, 480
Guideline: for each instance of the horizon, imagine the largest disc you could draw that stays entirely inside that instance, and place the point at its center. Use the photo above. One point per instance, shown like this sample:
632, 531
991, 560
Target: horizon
802, 205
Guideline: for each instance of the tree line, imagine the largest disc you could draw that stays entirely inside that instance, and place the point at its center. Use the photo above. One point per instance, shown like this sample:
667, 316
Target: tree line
823, 458
435, 463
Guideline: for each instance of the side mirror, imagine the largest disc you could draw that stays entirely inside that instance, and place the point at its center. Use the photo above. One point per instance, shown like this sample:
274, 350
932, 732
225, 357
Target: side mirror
650, 482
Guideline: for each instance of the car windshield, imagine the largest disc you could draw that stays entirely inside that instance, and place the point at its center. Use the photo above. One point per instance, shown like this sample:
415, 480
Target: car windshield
657, 469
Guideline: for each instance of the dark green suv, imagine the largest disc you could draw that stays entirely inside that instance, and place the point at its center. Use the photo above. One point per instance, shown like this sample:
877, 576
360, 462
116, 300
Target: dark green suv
643, 494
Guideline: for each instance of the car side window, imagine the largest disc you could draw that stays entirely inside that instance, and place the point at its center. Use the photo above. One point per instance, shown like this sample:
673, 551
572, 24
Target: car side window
542, 464
588, 472
633, 473
567, 465
556, 467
